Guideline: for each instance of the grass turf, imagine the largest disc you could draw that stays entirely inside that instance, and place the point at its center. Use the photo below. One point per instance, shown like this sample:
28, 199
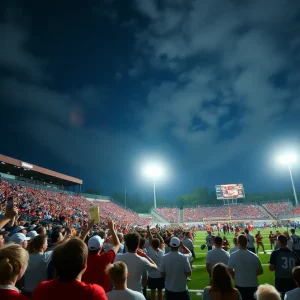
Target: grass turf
200, 277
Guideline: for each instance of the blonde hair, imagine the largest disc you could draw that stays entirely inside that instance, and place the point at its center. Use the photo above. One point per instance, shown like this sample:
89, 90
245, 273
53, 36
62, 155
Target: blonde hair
117, 272
267, 292
13, 258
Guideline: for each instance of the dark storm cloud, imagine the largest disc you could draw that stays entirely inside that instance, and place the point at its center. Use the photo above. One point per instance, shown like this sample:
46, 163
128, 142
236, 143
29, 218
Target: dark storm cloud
219, 63
225, 55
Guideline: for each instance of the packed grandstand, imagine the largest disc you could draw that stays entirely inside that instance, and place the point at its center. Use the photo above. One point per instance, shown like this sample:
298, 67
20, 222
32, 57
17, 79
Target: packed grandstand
54, 226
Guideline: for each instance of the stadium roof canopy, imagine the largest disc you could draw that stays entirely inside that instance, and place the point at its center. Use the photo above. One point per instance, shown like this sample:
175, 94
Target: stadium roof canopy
22, 169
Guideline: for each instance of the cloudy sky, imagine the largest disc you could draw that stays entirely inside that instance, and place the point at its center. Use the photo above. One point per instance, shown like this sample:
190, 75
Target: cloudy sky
97, 89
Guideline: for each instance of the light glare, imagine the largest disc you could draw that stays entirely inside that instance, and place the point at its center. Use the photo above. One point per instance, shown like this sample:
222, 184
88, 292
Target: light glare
153, 171
287, 159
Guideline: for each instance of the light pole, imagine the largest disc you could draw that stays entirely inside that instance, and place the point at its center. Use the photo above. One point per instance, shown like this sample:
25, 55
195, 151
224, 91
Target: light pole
153, 172
288, 159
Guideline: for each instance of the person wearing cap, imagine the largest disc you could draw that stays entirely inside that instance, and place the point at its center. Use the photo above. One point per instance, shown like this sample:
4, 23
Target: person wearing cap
282, 261
138, 262
32, 234
70, 262
175, 268
20, 238
97, 263
244, 266
217, 255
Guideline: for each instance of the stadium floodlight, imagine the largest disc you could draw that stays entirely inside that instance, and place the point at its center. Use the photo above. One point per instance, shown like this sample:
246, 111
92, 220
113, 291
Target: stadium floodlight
154, 171
288, 159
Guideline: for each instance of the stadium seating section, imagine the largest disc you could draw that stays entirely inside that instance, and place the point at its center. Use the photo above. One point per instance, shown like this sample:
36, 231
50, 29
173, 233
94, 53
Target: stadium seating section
295, 211
169, 214
237, 212
63, 206
278, 208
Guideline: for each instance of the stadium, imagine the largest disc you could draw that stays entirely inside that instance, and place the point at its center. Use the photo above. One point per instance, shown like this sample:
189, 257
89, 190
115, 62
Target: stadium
49, 197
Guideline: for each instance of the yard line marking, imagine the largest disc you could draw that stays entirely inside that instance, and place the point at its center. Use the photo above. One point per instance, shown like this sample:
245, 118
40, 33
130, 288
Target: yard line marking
205, 265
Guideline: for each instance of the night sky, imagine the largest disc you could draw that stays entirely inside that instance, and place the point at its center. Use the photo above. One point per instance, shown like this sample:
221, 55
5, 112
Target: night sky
208, 89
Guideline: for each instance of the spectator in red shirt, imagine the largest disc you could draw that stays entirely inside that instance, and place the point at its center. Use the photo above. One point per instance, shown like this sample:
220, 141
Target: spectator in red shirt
96, 263
13, 264
70, 262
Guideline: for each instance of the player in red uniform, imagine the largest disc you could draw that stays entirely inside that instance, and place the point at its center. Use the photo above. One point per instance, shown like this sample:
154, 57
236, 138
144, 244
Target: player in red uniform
225, 244
259, 242
272, 238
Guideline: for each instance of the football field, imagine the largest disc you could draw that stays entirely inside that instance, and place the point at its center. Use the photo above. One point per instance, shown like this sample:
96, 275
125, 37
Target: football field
200, 277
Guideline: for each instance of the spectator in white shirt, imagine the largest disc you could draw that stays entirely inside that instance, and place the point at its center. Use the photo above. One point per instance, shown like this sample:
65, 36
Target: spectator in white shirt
138, 263
156, 252
244, 267
295, 293
267, 292
217, 255
250, 241
236, 247
188, 242
38, 263
175, 268
118, 274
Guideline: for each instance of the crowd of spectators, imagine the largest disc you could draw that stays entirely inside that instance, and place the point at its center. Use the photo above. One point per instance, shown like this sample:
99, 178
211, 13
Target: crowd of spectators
235, 212
295, 211
169, 214
278, 208
63, 207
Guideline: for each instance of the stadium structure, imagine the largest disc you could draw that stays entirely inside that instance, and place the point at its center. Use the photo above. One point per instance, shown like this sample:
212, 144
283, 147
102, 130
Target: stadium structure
23, 173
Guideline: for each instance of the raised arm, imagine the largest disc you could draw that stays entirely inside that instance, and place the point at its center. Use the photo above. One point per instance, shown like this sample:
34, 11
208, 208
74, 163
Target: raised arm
115, 240
10, 215
150, 236
86, 232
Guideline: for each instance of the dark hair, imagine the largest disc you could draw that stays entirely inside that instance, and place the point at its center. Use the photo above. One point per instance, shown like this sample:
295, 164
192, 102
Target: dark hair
218, 241
40, 230
69, 259
296, 275
142, 242
282, 239
55, 236
101, 234
38, 242
242, 240
132, 241
246, 231
155, 243
221, 279
293, 230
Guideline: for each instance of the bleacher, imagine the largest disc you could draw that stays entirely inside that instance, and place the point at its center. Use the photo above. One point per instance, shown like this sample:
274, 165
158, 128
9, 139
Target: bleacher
294, 212
169, 214
278, 208
235, 212
62, 206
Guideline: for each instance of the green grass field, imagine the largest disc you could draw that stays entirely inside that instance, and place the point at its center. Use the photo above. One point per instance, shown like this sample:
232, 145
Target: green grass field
200, 277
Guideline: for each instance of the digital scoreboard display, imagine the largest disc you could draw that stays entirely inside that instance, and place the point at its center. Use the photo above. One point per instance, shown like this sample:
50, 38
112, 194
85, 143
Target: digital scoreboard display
230, 191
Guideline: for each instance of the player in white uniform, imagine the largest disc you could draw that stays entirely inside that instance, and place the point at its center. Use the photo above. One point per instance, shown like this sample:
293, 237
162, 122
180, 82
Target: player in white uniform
209, 241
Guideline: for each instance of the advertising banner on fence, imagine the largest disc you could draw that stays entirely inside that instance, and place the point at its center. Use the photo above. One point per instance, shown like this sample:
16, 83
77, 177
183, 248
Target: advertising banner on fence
230, 191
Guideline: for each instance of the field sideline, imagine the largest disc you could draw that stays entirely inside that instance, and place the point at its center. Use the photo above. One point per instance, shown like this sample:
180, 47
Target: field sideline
199, 275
